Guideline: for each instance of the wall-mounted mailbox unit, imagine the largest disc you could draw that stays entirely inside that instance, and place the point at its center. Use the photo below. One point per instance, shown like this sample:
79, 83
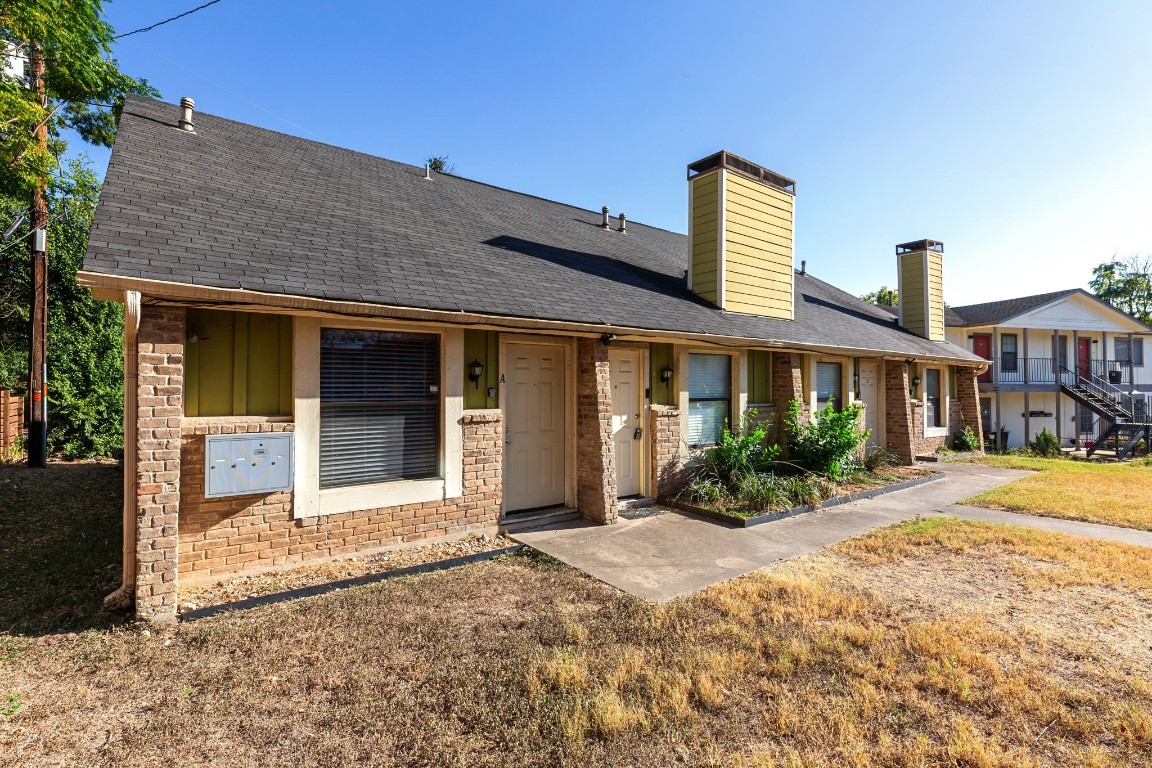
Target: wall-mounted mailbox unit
248, 464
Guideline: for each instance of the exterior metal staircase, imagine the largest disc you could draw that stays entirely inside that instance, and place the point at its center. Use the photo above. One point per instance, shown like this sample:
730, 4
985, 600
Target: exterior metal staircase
1114, 406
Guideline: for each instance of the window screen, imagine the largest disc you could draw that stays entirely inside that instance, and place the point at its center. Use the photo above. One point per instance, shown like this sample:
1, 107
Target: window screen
709, 397
379, 406
828, 378
1133, 353
1008, 361
934, 414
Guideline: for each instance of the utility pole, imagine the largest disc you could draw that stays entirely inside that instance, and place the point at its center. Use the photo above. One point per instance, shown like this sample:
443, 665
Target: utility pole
38, 336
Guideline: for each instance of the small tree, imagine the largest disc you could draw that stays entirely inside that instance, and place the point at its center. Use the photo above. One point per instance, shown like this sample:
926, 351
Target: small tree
887, 297
440, 164
1126, 284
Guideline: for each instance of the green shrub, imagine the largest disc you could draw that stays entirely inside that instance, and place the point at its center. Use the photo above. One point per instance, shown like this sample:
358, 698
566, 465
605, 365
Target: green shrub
740, 451
761, 491
704, 490
830, 445
1045, 445
966, 440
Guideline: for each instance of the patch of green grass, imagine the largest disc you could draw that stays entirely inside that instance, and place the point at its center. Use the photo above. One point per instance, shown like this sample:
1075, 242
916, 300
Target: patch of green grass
1113, 494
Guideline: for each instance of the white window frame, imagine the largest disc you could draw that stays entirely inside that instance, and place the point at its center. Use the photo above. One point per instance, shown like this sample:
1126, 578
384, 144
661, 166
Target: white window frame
733, 390
309, 500
945, 400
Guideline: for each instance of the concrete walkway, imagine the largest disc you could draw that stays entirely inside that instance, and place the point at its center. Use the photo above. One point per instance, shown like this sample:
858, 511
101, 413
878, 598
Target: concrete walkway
1074, 527
664, 555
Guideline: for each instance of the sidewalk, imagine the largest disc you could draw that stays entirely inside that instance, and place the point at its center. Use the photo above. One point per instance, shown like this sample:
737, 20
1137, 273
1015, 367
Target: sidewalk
1074, 527
665, 555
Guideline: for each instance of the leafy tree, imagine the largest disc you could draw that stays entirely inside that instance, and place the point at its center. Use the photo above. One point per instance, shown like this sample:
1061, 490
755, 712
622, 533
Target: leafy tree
886, 297
440, 164
85, 87
85, 374
1126, 284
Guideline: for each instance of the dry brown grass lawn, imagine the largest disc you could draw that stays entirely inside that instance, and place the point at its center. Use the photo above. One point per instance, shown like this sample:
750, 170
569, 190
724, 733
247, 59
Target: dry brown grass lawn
1114, 494
933, 643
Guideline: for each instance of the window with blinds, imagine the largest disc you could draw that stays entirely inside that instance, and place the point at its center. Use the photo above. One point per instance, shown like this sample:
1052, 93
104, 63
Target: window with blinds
709, 397
379, 406
828, 385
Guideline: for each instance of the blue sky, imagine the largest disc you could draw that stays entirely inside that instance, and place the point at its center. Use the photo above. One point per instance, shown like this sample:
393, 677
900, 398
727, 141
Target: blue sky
1017, 133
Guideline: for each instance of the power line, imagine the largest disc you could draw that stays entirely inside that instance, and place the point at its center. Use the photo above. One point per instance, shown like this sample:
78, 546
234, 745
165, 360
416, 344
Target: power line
162, 23
317, 136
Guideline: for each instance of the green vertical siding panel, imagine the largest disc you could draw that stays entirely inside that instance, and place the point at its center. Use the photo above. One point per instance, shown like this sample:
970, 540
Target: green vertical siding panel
286, 400
759, 376
240, 365
483, 346
214, 360
660, 355
264, 364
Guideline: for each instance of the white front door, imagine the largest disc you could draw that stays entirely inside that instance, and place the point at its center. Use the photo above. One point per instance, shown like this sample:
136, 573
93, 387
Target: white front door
534, 432
870, 396
627, 372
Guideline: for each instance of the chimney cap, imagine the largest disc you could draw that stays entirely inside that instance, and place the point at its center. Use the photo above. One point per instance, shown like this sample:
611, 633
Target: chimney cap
728, 161
920, 245
186, 101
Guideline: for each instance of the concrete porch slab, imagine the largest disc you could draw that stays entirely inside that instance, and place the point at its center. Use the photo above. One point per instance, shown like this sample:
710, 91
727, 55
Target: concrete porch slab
665, 554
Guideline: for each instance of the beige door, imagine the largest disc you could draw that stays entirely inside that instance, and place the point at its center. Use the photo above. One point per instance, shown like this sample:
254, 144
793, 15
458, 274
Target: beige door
626, 377
870, 396
534, 432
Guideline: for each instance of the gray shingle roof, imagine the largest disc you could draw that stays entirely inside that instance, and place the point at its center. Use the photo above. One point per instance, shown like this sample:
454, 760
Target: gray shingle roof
236, 206
993, 312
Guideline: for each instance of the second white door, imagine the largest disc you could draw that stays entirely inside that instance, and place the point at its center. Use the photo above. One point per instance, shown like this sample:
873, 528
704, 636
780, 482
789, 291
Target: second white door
627, 378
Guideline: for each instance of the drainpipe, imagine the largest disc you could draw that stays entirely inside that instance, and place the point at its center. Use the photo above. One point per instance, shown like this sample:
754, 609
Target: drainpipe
125, 596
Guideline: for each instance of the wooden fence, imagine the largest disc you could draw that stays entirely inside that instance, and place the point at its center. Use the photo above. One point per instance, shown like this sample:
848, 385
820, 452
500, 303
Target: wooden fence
11, 425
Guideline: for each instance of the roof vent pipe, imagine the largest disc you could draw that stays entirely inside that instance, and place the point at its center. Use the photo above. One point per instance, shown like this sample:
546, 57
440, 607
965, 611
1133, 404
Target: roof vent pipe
623, 224
803, 266
604, 218
186, 107
427, 170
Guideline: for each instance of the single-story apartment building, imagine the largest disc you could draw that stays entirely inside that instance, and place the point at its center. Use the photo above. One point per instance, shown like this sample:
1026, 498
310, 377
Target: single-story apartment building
328, 352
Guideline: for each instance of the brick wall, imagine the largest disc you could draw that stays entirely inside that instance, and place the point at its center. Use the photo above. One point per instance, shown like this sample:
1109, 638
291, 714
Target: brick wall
667, 468
160, 407
968, 402
226, 536
898, 424
595, 454
11, 424
787, 385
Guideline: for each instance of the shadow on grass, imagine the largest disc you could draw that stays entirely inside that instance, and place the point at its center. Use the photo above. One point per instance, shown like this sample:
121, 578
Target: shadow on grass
59, 547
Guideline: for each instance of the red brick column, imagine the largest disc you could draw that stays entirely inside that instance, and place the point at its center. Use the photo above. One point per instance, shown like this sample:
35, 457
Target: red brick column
483, 466
898, 416
160, 407
595, 457
969, 397
667, 469
787, 385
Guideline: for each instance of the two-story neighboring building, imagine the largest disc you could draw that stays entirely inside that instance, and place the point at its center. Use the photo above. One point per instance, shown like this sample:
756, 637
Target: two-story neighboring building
1062, 361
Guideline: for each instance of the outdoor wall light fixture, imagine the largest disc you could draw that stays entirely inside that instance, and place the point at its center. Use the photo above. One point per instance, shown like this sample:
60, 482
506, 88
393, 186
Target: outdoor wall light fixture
196, 335
475, 371
666, 374
915, 382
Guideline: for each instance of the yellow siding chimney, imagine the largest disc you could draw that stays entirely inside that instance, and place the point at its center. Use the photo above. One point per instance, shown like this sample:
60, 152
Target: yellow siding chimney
740, 228
921, 265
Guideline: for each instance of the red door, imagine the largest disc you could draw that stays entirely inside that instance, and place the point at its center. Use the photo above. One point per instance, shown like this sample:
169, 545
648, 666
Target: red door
1084, 357
982, 345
